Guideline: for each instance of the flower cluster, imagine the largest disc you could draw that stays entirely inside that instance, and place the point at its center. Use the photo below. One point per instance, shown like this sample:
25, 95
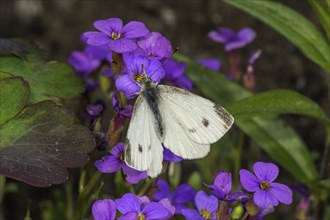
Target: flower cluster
199, 205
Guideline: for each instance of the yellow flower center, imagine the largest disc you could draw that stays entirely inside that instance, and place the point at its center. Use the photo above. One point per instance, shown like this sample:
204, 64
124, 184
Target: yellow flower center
138, 77
121, 157
115, 36
264, 185
205, 214
141, 217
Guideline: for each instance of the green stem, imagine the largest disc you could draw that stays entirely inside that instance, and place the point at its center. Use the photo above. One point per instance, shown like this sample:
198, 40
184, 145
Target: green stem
238, 157
83, 197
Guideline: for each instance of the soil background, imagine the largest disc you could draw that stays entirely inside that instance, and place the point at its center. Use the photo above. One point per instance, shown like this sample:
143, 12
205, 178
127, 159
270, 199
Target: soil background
56, 26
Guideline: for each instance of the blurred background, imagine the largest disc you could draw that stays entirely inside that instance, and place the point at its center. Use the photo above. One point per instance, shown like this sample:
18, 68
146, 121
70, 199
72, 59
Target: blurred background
56, 26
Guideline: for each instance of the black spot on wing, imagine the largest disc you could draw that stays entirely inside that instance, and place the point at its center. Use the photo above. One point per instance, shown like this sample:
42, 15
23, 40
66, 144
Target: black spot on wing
224, 115
205, 122
140, 148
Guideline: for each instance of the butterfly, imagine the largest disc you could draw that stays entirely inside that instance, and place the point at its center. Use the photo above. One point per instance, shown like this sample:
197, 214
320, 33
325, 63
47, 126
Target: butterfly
183, 122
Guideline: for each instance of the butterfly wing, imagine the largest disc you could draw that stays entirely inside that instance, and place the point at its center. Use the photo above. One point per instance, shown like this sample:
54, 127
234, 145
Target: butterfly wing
192, 123
143, 149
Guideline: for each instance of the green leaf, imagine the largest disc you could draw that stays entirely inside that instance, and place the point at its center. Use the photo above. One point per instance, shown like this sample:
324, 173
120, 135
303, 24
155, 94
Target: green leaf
5, 75
43, 139
272, 134
14, 93
277, 102
46, 79
295, 27
322, 8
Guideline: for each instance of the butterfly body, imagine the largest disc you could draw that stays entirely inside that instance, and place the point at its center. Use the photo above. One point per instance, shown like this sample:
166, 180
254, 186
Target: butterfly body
183, 122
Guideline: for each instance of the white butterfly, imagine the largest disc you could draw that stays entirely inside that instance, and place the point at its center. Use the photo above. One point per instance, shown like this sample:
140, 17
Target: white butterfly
185, 123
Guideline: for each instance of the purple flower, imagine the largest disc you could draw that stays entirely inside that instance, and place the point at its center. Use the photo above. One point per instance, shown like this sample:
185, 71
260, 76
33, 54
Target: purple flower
114, 162
175, 74
125, 111
99, 52
84, 63
138, 67
263, 212
104, 209
232, 40
222, 187
170, 156
94, 110
156, 46
183, 194
212, 64
266, 191
206, 207
133, 207
112, 33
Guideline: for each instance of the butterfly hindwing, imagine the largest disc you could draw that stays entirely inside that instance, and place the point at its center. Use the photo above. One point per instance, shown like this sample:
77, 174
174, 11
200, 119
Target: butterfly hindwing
143, 150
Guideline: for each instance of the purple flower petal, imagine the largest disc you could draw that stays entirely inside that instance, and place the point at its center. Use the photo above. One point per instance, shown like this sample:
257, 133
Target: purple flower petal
135, 29
156, 46
110, 25
192, 214
118, 149
143, 200
155, 71
263, 198
248, 181
263, 212
104, 209
247, 34
222, 184
155, 210
136, 64
174, 70
265, 171
235, 196
134, 176
167, 205
129, 216
203, 201
163, 190
183, 82
128, 203
96, 38
94, 110
170, 156
222, 35
122, 45
127, 86
234, 45
99, 52
213, 63
184, 193
282, 192
108, 164
83, 63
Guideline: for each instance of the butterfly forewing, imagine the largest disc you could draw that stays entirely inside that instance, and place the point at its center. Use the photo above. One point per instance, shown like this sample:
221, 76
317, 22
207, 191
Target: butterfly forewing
203, 121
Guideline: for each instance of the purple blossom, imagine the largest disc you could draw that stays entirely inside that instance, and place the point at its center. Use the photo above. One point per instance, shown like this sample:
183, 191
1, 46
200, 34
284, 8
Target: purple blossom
212, 64
124, 111
222, 187
156, 46
170, 156
263, 212
133, 207
232, 40
138, 67
99, 52
104, 209
183, 194
94, 110
206, 207
117, 37
266, 191
84, 63
114, 162
175, 74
